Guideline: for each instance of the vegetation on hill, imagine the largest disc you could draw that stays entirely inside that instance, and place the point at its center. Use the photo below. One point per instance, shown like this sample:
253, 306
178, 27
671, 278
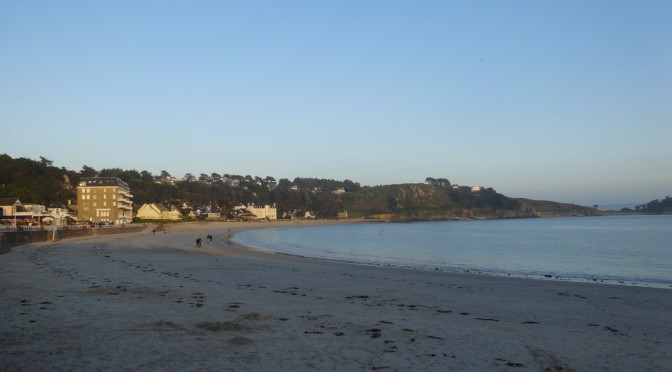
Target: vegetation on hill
38, 181
429, 202
657, 206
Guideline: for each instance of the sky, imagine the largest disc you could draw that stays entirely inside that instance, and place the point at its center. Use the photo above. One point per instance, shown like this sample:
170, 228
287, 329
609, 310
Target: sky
568, 101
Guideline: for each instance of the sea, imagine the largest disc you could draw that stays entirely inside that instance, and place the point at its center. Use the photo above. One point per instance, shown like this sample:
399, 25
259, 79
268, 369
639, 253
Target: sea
627, 250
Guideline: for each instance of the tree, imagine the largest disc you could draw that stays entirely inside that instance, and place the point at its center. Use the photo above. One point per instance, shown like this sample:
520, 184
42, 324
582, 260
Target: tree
165, 174
46, 162
146, 176
189, 177
270, 182
88, 172
430, 181
350, 186
442, 182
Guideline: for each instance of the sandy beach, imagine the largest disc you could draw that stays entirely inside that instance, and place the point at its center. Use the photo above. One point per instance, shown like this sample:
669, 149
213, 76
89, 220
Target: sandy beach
145, 301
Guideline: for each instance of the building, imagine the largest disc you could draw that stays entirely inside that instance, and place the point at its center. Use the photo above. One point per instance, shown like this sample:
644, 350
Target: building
158, 212
13, 212
59, 215
9, 207
104, 199
259, 211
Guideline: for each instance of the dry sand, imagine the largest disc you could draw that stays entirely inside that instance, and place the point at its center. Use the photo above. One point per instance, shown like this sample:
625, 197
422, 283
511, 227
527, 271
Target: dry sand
156, 302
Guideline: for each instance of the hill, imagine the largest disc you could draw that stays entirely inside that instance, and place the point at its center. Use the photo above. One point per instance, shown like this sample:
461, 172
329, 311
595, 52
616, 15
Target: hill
39, 182
409, 202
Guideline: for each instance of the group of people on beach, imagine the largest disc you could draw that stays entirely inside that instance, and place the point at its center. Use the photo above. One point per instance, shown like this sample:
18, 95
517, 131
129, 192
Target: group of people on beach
199, 241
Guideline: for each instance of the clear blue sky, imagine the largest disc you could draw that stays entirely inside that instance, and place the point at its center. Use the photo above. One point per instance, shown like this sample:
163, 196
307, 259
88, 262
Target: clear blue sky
560, 100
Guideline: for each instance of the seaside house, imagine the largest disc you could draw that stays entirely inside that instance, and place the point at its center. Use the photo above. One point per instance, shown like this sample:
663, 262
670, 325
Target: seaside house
59, 214
263, 211
155, 211
13, 212
9, 207
104, 199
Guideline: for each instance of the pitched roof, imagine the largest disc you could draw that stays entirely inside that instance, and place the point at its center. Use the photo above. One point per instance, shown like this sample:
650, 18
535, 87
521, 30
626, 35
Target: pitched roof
57, 205
9, 201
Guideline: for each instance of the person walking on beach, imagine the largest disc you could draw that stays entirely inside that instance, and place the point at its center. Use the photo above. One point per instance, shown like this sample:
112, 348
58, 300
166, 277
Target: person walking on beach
198, 242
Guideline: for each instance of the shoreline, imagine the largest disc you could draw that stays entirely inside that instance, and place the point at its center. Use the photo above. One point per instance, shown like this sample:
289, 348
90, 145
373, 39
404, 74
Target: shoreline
543, 276
156, 302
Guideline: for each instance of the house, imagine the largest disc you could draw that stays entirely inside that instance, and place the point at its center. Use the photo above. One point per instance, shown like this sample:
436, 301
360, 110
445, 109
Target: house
339, 191
476, 188
212, 215
59, 215
104, 199
12, 211
155, 211
263, 211
10, 207
343, 214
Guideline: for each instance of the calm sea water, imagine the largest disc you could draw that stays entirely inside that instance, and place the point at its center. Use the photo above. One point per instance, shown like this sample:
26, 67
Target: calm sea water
634, 250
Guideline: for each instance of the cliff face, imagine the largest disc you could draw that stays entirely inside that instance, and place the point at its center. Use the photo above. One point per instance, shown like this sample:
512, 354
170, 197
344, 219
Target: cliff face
407, 202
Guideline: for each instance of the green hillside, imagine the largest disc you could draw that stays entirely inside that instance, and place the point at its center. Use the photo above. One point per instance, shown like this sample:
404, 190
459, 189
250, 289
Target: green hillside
409, 202
40, 182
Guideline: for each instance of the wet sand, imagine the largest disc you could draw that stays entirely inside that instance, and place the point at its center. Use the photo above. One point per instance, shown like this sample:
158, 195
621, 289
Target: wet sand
147, 301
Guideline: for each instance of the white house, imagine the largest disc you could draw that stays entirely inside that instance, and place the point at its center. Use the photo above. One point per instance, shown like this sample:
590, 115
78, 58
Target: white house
158, 212
263, 212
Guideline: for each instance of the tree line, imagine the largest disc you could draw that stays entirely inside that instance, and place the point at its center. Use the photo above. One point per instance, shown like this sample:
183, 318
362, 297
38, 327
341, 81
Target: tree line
38, 181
